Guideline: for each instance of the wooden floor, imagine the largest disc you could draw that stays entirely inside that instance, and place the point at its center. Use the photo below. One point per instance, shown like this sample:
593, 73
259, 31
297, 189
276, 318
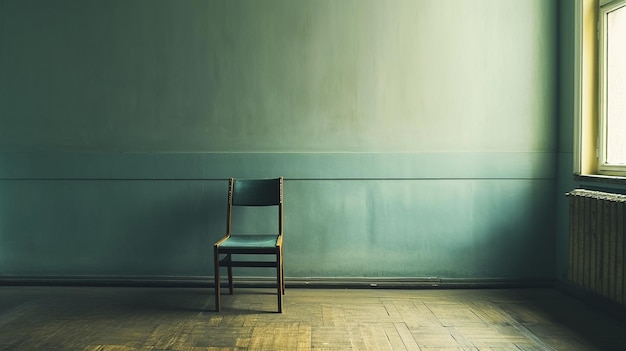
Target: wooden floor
107, 319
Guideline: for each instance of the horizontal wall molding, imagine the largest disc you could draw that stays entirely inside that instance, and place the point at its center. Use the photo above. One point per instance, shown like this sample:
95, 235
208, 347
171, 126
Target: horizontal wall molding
304, 166
267, 282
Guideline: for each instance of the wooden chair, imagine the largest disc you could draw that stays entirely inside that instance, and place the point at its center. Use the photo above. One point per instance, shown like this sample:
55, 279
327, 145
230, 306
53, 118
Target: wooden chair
251, 192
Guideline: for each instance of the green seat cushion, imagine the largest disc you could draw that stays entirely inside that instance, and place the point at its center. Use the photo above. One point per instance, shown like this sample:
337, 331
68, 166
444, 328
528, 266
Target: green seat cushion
250, 241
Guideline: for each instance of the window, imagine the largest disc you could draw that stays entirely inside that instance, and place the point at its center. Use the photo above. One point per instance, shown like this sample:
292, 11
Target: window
600, 81
612, 88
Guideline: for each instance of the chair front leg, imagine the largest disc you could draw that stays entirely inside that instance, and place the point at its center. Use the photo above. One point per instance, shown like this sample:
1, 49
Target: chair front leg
282, 272
217, 278
279, 280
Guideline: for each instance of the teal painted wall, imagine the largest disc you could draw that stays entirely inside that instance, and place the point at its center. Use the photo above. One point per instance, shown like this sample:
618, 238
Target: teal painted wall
417, 138
565, 163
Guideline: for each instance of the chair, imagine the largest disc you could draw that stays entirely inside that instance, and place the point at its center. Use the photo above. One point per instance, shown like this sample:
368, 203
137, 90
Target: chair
251, 192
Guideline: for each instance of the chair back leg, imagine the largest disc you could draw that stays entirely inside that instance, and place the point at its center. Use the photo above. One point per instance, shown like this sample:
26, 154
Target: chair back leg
231, 283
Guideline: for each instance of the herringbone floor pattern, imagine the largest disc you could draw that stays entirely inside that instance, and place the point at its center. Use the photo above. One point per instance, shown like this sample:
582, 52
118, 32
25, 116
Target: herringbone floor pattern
181, 319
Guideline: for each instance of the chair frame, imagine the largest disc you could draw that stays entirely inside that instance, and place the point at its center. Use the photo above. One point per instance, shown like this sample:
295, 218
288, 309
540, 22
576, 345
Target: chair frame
228, 261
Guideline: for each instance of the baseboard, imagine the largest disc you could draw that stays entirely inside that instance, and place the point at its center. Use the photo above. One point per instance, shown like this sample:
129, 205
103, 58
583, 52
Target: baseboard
290, 282
417, 282
112, 281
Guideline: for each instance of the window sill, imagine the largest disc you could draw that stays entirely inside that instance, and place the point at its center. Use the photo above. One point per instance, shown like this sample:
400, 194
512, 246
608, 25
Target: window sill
597, 178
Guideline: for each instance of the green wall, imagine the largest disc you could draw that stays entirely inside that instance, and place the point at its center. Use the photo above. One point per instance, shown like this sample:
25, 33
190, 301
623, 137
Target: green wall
565, 154
417, 138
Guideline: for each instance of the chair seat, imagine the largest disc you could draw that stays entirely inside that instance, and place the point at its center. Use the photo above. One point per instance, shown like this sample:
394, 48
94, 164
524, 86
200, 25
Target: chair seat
250, 241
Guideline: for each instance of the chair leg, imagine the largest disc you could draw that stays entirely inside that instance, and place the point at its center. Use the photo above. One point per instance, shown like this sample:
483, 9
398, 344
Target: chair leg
282, 272
231, 284
217, 279
279, 281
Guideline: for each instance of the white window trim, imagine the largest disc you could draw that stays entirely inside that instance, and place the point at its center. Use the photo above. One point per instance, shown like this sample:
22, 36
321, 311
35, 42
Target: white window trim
585, 94
578, 72
604, 168
586, 104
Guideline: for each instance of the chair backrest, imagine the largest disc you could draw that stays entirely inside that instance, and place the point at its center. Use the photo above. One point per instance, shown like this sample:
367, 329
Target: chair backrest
255, 192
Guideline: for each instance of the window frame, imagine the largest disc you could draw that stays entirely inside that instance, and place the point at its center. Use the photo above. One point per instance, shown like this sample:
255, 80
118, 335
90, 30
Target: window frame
603, 167
587, 105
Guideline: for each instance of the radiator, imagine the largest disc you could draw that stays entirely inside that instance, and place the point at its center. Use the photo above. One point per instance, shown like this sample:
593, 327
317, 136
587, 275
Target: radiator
596, 250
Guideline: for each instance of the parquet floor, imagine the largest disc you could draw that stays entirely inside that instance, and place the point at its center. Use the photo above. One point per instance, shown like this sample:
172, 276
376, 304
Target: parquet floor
181, 319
